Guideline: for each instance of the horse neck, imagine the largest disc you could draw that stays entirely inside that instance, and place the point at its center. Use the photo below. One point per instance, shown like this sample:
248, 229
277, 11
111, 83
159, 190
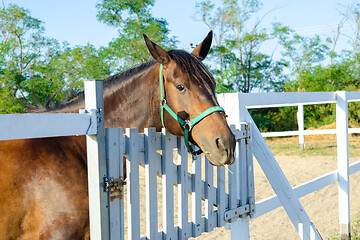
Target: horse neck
134, 102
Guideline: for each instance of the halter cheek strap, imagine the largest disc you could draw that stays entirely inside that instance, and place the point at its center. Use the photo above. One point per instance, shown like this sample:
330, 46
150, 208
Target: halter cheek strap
186, 124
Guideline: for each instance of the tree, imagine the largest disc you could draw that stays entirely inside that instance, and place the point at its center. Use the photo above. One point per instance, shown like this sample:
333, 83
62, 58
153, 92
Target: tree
352, 17
36, 71
132, 19
22, 42
241, 65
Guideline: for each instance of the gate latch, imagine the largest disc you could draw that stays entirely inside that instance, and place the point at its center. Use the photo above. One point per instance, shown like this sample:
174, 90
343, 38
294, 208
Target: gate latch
114, 185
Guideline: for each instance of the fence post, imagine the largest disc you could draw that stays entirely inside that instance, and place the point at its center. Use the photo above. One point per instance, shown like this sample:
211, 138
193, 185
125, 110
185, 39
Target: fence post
96, 163
343, 163
234, 105
300, 120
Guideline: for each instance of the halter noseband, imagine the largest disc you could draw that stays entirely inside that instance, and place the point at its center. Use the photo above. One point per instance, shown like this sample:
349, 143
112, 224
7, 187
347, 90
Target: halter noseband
186, 124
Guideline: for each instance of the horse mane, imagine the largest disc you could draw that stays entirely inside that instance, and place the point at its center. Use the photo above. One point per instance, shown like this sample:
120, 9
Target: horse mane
109, 82
188, 64
191, 65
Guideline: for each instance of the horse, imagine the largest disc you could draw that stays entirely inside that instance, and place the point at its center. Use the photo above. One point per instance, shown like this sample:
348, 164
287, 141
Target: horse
43, 182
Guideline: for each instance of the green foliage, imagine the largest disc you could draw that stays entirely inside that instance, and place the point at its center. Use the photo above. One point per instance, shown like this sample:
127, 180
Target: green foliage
240, 65
35, 71
132, 19
21, 44
275, 119
38, 72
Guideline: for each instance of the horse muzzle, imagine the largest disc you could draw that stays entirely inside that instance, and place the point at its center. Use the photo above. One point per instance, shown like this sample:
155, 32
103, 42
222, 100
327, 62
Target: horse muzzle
217, 142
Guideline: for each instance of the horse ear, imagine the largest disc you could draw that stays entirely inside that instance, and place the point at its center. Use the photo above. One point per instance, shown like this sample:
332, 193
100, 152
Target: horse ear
159, 54
203, 48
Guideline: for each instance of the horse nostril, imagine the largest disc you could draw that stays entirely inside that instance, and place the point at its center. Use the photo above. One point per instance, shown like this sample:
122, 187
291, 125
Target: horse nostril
222, 146
219, 144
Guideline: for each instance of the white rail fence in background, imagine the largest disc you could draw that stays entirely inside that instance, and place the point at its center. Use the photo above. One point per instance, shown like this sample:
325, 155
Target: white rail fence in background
270, 100
230, 204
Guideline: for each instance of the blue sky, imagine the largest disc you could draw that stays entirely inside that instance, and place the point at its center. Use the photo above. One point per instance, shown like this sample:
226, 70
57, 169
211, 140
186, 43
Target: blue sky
75, 21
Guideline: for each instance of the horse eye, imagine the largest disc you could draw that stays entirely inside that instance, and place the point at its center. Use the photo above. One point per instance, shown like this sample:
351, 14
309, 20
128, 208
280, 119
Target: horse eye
180, 88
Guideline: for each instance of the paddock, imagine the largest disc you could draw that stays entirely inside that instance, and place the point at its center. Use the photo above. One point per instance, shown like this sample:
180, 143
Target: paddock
225, 200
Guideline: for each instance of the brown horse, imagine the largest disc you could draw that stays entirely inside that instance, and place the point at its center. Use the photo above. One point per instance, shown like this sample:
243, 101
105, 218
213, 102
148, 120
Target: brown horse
43, 182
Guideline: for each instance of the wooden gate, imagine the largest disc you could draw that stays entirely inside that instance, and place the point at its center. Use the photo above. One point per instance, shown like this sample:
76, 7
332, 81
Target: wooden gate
215, 200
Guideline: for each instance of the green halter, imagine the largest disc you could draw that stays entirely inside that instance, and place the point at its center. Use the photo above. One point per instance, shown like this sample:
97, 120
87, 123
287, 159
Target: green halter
186, 124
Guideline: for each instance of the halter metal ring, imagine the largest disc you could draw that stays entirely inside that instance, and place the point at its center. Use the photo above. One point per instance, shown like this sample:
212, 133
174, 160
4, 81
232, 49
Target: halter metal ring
187, 125
163, 102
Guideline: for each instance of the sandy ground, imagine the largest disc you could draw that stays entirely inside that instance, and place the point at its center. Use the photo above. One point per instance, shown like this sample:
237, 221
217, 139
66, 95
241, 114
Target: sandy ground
321, 206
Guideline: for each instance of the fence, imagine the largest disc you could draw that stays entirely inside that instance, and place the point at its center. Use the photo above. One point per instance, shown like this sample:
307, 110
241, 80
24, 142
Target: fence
221, 203
271, 168
284, 99
231, 205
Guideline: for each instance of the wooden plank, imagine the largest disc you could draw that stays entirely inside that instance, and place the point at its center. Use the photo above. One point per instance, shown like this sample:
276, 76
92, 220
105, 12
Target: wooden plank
183, 187
169, 171
250, 171
354, 167
132, 167
39, 125
264, 100
114, 155
300, 120
96, 164
196, 197
353, 96
233, 177
242, 165
210, 195
342, 123
152, 163
220, 196
281, 186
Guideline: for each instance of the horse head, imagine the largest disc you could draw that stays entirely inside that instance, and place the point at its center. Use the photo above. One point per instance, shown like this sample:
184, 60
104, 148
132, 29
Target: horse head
188, 103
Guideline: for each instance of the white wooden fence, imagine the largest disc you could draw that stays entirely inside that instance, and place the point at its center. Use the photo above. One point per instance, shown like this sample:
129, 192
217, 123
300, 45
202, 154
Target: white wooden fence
229, 199
285, 195
230, 204
267, 100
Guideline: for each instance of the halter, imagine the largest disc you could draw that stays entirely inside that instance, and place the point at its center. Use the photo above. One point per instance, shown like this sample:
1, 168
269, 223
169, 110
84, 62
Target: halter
186, 124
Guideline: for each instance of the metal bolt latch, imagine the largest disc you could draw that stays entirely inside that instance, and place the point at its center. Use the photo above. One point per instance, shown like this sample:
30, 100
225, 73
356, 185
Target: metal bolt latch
114, 184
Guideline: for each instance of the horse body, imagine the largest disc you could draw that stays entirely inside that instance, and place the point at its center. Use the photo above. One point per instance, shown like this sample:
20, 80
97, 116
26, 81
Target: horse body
43, 191
43, 182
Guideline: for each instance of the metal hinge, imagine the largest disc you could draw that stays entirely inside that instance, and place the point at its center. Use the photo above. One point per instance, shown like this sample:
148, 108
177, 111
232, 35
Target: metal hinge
114, 185
242, 134
247, 130
238, 212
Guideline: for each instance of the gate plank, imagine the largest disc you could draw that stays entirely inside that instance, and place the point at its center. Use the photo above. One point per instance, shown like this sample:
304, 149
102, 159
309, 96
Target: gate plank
210, 195
114, 155
152, 163
132, 166
183, 186
220, 196
169, 171
196, 197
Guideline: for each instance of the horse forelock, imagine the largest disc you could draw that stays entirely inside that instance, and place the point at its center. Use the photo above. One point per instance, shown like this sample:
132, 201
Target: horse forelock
192, 66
